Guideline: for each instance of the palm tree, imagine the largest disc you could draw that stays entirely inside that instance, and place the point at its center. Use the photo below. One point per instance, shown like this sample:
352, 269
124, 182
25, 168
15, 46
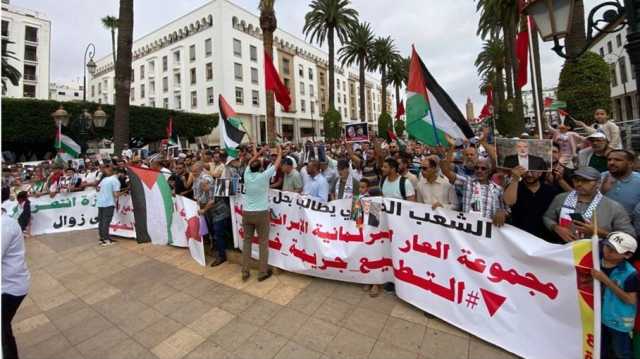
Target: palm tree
357, 49
399, 74
269, 24
384, 54
325, 20
111, 23
123, 75
490, 66
9, 72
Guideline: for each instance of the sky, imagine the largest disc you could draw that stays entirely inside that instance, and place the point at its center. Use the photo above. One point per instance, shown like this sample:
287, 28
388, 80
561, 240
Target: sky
443, 32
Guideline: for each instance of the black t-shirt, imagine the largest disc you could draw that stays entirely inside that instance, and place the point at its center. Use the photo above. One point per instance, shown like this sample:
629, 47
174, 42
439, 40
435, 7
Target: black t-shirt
529, 209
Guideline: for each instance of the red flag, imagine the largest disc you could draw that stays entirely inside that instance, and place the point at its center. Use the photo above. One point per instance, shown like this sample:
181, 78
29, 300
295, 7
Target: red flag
273, 83
548, 101
391, 134
487, 109
522, 52
400, 109
170, 128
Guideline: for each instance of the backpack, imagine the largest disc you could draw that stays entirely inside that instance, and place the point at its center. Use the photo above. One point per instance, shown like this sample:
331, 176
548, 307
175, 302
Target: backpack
403, 186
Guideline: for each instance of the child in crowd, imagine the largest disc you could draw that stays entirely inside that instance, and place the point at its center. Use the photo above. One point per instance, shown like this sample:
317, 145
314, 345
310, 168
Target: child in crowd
619, 284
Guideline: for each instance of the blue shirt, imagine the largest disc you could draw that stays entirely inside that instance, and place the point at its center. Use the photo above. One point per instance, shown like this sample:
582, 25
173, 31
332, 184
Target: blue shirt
256, 189
105, 196
316, 187
625, 191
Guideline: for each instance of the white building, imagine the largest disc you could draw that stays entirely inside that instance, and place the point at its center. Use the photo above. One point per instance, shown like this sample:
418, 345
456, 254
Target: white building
217, 49
65, 92
610, 46
30, 32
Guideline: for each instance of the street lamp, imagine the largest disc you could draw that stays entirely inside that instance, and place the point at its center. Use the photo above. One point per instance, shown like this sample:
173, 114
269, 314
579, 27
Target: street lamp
85, 123
60, 117
90, 65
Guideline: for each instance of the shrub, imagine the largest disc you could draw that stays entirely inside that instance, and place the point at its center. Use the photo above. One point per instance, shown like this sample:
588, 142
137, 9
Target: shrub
384, 122
332, 123
399, 127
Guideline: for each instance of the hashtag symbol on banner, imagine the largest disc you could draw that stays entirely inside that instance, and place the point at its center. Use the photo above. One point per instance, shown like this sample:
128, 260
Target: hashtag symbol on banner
472, 299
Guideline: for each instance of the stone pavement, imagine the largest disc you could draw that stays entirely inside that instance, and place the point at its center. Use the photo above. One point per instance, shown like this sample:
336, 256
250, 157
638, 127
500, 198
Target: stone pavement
142, 301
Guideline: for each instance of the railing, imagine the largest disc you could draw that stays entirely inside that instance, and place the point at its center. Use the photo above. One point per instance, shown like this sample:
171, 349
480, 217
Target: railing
30, 77
630, 134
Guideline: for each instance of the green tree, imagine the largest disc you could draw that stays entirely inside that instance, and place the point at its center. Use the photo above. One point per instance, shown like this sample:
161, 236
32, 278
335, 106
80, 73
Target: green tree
9, 72
384, 123
399, 74
584, 85
332, 123
490, 66
325, 20
269, 24
384, 54
123, 75
358, 49
111, 23
399, 127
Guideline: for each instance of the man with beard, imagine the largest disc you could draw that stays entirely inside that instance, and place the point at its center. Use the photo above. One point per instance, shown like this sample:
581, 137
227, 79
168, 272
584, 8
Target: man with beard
529, 197
524, 159
596, 155
570, 215
621, 183
469, 160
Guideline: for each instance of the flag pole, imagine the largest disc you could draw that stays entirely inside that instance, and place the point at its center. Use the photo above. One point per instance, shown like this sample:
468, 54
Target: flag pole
595, 251
433, 123
535, 87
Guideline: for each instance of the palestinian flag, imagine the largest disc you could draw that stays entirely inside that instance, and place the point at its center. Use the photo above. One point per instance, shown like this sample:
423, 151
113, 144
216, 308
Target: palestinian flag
69, 148
430, 111
152, 205
230, 133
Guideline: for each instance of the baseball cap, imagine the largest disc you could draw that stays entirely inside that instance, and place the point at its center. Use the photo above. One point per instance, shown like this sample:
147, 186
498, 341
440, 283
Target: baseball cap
597, 135
622, 242
588, 173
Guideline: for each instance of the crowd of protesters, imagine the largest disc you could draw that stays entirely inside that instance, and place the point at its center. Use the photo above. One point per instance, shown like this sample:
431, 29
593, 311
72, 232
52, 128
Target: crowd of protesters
592, 177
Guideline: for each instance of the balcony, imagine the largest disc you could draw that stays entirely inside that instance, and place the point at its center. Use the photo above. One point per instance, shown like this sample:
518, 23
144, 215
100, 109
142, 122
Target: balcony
30, 78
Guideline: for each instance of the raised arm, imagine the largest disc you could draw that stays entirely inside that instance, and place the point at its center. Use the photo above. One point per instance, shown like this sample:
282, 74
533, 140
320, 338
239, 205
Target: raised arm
445, 166
511, 192
276, 164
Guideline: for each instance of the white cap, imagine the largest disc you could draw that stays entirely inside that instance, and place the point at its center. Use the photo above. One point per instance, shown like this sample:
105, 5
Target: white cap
598, 134
622, 242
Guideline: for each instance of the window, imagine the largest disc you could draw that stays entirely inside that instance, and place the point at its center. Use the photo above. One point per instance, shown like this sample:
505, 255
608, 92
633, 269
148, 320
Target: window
338, 84
618, 40
301, 70
165, 84
253, 53
133, 75
152, 88
29, 73
176, 57
192, 53
5, 28
312, 107
602, 52
622, 63
178, 101
254, 75
30, 53
31, 33
614, 77
286, 84
207, 48
176, 79
141, 72
133, 93
239, 96
192, 76
633, 72
255, 98
285, 66
29, 91
237, 47
99, 88
311, 90
152, 68
237, 71
339, 99
165, 102
209, 71
93, 90
609, 47
303, 106
310, 73
194, 99
344, 99
210, 95
165, 63
142, 91
301, 88
152, 103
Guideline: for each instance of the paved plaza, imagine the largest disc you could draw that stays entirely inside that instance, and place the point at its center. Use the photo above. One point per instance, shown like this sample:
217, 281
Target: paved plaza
142, 301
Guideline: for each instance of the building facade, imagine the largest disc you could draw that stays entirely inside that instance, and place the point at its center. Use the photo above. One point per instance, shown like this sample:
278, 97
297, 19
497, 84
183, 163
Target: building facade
30, 32
528, 107
217, 49
65, 92
624, 99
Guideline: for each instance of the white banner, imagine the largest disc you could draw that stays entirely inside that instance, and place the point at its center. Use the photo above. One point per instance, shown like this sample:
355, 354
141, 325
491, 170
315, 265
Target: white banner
501, 284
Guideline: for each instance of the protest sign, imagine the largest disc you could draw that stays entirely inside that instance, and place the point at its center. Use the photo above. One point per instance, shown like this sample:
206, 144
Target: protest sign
533, 155
356, 132
500, 284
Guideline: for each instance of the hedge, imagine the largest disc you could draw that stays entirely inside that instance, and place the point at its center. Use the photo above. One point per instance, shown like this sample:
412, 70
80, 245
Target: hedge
384, 122
332, 123
28, 122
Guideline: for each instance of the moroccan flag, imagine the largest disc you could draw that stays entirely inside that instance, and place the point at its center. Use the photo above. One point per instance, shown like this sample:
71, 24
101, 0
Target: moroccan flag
548, 101
69, 148
152, 204
170, 140
399, 109
273, 83
487, 109
430, 111
522, 54
230, 133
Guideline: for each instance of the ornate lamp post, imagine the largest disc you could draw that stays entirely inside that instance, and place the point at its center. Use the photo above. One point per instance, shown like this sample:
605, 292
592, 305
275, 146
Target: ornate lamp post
85, 123
91, 66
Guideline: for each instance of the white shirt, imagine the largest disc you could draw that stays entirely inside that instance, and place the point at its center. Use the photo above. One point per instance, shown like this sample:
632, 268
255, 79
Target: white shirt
523, 161
16, 279
392, 189
441, 190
